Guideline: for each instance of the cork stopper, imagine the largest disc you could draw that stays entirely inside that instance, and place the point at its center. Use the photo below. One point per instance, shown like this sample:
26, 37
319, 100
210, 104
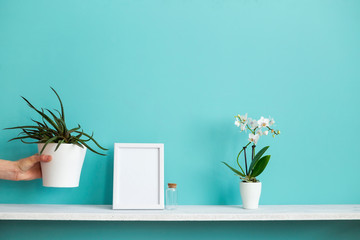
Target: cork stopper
172, 185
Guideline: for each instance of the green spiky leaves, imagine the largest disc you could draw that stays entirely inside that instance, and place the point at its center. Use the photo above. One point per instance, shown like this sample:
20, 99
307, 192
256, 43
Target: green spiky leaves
53, 129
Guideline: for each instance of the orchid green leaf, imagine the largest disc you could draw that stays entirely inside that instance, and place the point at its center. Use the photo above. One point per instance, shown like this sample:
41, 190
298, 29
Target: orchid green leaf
257, 157
260, 166
234, 170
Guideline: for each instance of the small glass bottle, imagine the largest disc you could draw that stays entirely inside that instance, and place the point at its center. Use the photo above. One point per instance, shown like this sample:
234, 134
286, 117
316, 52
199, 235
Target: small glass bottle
171, 196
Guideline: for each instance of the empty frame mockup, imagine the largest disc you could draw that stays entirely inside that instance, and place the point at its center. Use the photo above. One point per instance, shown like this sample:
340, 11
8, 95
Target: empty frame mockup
138, 176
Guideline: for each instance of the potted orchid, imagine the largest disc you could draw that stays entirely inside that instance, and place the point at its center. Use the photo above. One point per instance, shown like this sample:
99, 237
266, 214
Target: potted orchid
250, 186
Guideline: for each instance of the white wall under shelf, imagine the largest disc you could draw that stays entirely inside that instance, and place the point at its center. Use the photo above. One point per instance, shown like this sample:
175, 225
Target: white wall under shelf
183, 213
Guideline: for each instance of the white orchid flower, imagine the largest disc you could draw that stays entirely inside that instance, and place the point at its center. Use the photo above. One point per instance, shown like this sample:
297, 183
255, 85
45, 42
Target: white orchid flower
253, 123
263, 122
237, 123
242, 127
266, 132
243, 118
254, 138
271, 122
259, 132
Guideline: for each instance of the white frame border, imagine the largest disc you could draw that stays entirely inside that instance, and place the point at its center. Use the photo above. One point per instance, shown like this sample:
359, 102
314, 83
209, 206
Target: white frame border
160, 147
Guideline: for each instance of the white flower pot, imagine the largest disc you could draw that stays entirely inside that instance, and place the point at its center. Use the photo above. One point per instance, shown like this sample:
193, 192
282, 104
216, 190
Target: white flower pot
65, 167
250, 194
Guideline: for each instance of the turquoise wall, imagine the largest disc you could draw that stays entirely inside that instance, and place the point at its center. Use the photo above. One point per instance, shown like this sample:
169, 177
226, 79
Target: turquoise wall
176, 72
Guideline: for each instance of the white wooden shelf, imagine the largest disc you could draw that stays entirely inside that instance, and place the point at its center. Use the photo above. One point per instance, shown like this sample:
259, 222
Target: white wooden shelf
183, 213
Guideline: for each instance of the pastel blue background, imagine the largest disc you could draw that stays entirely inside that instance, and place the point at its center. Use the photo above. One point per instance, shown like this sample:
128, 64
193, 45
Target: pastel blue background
176, 72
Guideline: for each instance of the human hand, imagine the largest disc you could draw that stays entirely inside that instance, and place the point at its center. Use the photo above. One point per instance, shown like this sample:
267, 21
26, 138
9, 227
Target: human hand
29, 168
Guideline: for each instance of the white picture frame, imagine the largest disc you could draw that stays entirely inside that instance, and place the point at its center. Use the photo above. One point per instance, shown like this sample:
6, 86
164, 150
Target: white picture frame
138, 176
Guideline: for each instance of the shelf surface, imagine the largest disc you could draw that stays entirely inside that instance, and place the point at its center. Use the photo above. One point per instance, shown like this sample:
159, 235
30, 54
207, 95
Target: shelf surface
182, 213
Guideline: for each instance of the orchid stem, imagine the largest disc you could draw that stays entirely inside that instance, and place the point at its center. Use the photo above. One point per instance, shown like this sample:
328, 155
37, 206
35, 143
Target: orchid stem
253, 152
246, 168
253, 132
237, 159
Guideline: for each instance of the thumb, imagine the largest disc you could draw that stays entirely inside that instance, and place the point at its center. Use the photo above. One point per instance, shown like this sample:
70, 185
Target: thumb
27, 163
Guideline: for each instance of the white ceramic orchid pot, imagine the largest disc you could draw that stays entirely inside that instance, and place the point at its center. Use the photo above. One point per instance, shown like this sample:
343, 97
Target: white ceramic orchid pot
250, 194
64, 169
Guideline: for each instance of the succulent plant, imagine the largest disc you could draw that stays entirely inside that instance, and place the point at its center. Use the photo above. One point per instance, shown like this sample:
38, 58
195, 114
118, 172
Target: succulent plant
53, 129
